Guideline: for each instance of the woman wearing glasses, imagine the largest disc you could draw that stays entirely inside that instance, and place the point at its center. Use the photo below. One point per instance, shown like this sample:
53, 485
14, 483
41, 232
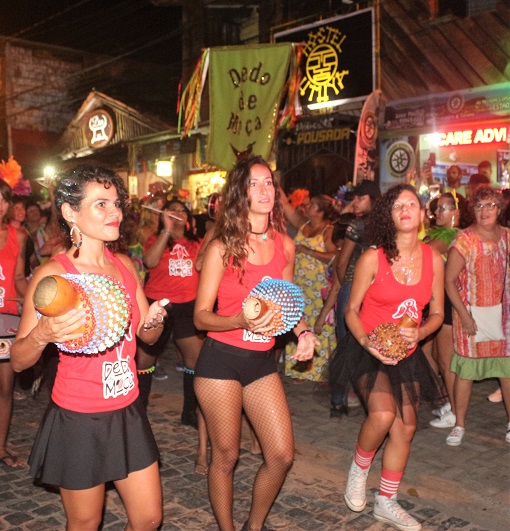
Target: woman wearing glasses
398, 275
477, 274
451, 215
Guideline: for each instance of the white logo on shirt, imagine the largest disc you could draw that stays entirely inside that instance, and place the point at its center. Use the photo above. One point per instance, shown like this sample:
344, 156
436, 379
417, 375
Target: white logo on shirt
182, 266
255, 338
408, 306
118, 378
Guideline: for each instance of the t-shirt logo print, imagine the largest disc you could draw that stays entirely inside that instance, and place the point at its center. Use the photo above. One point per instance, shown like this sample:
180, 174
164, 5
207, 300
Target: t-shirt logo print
118, 378
408, 306
181, 265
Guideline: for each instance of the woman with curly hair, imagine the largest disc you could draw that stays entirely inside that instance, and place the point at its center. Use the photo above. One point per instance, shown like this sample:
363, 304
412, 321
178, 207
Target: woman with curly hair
95, 428
236, 368
397, 275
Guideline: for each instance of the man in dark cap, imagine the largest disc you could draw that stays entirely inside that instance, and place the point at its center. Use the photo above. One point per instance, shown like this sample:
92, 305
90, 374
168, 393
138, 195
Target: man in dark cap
367, 187
365, 195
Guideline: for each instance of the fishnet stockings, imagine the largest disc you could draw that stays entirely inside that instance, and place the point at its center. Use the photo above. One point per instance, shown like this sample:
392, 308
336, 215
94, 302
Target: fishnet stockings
265, 405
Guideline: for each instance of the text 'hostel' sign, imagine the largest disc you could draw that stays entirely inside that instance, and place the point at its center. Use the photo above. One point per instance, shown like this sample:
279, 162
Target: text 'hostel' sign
338, 59
245, 86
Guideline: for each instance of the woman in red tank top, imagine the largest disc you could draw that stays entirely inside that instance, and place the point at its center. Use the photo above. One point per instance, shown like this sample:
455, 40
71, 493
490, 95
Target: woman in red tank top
12, 285
95, 429
398, 275
236, 368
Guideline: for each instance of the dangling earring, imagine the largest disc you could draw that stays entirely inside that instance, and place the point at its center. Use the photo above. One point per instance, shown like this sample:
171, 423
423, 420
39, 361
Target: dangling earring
75, 244
271, 218
453, 222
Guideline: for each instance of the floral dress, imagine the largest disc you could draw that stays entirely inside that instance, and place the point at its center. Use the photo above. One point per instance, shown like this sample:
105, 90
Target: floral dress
311, 276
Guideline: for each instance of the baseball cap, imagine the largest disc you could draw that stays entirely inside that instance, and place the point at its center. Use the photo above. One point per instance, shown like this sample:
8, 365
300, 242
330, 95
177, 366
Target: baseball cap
367, 187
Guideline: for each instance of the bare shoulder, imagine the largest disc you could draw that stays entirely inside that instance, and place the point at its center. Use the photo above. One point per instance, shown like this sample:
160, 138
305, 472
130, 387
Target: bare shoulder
51, 267
437, 258
124, 258
21, 234
369, 257
215, 247
288, 242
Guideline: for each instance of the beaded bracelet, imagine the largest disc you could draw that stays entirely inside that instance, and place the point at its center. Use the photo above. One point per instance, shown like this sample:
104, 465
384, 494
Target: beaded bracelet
146, 371
303, 333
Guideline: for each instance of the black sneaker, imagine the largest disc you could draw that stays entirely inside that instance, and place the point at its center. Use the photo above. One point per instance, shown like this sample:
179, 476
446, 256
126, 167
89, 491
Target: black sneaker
338, 410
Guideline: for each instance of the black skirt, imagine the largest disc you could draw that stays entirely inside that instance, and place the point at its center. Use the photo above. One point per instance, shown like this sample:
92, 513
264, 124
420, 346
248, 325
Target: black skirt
82, 450
410, 380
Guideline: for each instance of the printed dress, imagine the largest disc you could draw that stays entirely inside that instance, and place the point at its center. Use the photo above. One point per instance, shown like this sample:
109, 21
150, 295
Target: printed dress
311, 276
482, 282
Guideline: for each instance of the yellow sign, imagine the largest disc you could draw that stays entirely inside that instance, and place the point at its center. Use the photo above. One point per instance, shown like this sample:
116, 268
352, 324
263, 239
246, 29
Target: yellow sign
323, 49
338, 61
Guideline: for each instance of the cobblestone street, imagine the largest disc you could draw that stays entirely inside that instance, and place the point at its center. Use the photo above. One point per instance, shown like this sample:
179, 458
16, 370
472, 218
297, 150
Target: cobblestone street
465, 488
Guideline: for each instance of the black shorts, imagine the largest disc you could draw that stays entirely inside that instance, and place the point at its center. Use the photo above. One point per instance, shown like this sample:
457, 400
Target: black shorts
220, 361
179, 323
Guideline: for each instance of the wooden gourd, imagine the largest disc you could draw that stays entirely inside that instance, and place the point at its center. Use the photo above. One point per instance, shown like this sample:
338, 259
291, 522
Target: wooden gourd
54, 295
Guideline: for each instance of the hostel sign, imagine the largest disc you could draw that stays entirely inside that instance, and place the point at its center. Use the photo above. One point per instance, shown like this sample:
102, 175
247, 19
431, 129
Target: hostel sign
338, 58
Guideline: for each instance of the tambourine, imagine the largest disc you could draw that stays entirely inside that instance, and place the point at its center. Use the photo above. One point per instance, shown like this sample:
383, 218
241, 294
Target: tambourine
106, 303
389, 341
284, 298
8, 330
213, 205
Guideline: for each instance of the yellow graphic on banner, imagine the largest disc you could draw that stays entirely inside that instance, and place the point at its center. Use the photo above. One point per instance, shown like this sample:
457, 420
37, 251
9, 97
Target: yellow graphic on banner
323, 49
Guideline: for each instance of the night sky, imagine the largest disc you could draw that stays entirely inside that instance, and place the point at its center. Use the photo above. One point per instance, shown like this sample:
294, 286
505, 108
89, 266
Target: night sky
112, 27
131, 30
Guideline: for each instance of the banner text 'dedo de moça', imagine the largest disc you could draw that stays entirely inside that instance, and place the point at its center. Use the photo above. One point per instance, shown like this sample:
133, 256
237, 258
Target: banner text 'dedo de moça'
245, 88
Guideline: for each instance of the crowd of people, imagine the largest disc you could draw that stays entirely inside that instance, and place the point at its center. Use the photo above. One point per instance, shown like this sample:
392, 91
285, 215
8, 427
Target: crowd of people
362, 264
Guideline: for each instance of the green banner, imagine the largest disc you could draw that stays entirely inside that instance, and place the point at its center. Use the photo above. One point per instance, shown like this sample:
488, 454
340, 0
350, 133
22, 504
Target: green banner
245, 88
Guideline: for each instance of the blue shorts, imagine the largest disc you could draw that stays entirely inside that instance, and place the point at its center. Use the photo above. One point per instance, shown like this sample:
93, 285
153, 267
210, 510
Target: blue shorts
220, 361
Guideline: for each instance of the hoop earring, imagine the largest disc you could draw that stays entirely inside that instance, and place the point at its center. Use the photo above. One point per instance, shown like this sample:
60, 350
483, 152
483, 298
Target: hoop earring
77, 245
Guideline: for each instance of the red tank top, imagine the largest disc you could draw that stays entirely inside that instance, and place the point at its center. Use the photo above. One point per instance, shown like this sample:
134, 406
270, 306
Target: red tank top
106, 381
8, 258
232, 293
175, 276
387, 300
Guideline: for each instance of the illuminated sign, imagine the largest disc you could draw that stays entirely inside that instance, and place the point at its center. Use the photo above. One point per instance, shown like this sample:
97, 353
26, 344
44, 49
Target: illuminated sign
468, 137
338, 59
326, 135
99, 128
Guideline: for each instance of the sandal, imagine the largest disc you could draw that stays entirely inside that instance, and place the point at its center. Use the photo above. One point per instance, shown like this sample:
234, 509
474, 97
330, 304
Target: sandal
201, 470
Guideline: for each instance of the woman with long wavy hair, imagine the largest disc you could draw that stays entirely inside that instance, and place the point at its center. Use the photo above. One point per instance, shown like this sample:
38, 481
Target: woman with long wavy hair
236, 368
